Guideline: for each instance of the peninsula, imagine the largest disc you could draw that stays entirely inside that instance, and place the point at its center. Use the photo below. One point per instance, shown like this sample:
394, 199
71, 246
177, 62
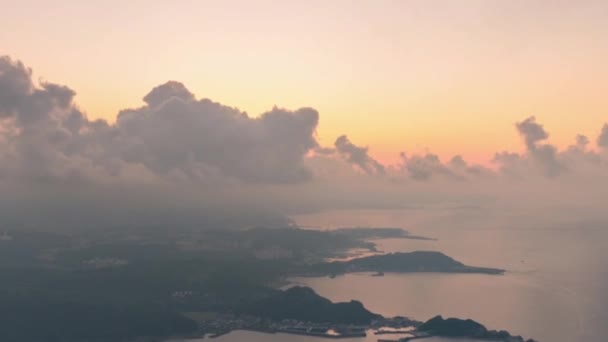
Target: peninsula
418, 261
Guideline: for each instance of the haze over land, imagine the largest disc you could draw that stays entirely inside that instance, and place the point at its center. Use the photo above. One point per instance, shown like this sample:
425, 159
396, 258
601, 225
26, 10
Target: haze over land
191, 161
200, 167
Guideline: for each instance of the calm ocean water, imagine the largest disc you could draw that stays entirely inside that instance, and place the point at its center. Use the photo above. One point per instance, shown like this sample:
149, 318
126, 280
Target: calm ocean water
247, 336
556, 287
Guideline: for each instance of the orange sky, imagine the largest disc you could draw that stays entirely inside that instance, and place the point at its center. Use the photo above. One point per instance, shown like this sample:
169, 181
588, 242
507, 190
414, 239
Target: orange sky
447, 76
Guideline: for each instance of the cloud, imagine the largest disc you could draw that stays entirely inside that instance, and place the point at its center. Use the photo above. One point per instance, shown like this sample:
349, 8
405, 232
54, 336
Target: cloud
545, 155
459, 166
423, 167
178, 160
324, 151
190, 137
15, 81
173, 135
602, 139
426, 166
195, 161
532, 132
358, 156
581, 142
165, 92
509, 163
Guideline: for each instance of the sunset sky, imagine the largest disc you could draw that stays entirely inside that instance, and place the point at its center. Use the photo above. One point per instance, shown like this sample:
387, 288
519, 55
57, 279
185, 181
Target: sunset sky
145, 138
447, 76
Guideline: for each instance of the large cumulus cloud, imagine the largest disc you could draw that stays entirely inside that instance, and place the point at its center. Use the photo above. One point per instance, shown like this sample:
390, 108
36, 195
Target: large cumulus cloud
174, 157
179, 133
173, 135
183, 161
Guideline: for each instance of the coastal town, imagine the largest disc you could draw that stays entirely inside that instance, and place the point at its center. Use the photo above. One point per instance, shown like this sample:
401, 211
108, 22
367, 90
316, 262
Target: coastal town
394, 329
214, 325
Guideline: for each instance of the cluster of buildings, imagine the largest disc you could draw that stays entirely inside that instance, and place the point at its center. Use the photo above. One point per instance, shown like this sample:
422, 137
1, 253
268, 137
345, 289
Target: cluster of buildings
216, 325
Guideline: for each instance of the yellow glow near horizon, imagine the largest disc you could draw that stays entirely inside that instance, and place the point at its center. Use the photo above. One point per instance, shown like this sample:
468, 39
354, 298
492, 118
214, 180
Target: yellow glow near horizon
446, 76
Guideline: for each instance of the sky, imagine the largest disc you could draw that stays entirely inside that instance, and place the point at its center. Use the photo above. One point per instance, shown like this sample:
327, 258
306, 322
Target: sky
233, 114
397, 76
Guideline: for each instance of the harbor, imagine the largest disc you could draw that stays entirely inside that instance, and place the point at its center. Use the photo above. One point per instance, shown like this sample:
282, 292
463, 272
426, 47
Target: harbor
213, 325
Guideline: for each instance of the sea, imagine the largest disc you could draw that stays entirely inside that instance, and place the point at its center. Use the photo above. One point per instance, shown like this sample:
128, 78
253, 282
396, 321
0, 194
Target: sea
555, 288
249, 336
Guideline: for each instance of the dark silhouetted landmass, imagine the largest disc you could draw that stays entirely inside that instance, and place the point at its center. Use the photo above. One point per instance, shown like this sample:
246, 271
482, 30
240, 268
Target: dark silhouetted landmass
113, 287
420, 261
303, 304
49, 318
367, 233
454, 327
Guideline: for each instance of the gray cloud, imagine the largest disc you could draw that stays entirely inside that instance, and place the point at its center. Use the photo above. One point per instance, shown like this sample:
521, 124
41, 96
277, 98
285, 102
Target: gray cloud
425, 167
545, 155
189, 136
325, 151
602, 139
175, 160
532, 132
182, 161
509, 163
15, 81
166, 91
173, 135
582, 141
358, 156
459, 166
578, 155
